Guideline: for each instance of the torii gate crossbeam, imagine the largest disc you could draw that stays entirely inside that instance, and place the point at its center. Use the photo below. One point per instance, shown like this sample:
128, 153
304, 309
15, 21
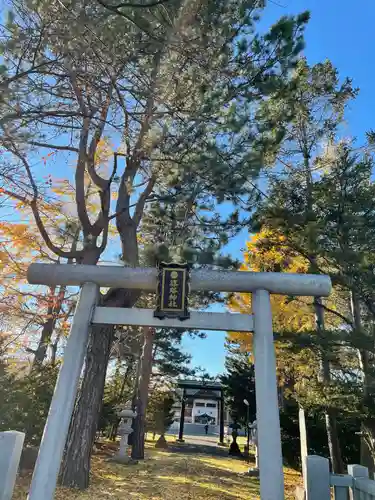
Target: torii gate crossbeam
90, 278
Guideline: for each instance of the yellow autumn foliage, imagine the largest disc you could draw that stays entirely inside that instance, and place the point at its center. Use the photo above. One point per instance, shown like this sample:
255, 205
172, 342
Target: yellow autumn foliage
268, 252
104, 151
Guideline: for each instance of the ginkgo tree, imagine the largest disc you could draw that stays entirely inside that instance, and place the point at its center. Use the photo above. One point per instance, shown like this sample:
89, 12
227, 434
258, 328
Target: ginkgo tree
298, 348
292, 316
37, 314
32, 315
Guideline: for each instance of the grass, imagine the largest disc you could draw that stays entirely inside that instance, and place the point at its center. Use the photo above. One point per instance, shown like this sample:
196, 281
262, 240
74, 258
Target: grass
167, 475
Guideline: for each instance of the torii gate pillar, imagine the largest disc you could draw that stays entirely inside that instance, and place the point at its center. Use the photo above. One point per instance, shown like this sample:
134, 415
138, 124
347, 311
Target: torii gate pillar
92, 277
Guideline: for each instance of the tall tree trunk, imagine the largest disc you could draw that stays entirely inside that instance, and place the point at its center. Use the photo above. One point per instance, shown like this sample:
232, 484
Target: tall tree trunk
47, 330
54, 347
368, 424
76, 463
53, 311
119, 397
114, 430
55, 344
44, 341
138, 437
330, 417
334, 442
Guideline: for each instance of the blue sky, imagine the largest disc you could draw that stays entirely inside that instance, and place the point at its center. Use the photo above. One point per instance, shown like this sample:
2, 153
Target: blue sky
343, 32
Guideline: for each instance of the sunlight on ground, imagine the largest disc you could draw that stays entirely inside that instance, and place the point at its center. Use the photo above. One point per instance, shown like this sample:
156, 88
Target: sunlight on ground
167, 476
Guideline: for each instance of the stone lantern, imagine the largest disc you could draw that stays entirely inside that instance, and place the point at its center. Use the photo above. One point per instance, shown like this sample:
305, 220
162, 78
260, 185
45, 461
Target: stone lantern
254, 439
124, 429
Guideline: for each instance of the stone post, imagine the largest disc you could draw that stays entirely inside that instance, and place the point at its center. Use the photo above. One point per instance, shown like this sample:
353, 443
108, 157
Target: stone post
11, 443
253, 429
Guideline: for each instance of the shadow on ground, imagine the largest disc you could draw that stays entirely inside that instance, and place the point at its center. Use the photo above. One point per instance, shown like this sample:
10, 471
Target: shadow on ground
182, 472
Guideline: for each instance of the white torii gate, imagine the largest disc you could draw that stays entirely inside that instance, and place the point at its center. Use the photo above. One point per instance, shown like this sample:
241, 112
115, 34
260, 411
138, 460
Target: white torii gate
90, 278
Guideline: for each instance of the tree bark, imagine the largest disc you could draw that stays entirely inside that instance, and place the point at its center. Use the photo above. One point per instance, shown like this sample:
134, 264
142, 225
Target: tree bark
334, 443
138, 438
368, 445
368, 425
76, 462
53, 310
114, 428
54, 347
44, 341
330, 417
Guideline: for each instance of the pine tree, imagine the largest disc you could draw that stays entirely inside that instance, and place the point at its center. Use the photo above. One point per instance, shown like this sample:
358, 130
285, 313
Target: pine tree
317, 103
344, 202
239, 384
160, 415
180, 94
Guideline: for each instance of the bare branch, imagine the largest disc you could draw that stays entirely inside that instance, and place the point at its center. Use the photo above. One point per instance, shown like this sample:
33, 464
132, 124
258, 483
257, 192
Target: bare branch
126, 115
18, 76
15, 151
34, 208
145, 127
133, 5
142, 200
80, 179
43, 232
77, 90
96, 178
132, 19
37, 114
336, 313
123, 200
53, 146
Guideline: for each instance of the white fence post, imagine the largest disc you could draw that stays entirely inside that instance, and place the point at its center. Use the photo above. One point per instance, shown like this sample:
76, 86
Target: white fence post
11, 443
268, 420
317, 478
51, 449
341, 485
357, 471
303, 441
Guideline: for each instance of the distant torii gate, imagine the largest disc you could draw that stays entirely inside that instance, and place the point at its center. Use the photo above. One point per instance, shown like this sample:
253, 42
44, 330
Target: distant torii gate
188, 387
90, 278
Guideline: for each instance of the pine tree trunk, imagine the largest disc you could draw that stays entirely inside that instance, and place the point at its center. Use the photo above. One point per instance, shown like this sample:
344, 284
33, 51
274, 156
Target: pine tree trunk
138, 436
53, 310
368, 425
113, 432
76, 463
54, 347
44, 340
334, 443
330, 417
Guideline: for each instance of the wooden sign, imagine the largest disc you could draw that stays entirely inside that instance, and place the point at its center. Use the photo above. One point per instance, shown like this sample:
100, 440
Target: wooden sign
172, 291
